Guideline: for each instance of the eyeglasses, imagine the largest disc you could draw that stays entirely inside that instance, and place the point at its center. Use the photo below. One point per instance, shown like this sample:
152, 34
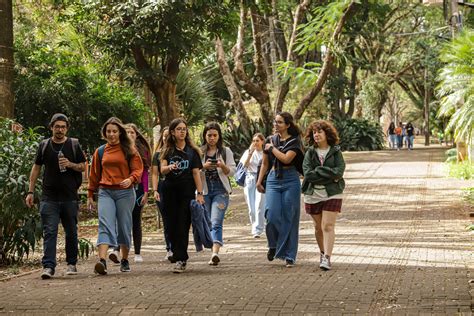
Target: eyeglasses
278, 122
60, 126
180, 129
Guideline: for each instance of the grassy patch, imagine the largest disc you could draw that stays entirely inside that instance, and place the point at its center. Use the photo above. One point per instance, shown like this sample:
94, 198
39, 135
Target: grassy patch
462, 170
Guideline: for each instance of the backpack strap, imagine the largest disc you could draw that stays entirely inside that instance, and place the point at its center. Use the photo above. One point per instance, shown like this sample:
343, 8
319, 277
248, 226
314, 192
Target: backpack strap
100, 154
75, 144
43, 145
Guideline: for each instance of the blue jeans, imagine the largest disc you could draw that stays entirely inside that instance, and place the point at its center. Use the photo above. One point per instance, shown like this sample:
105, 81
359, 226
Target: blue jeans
51, 213
115, 216
282, 211
393, 141
399, 141
217, 201
255, 202
410, 140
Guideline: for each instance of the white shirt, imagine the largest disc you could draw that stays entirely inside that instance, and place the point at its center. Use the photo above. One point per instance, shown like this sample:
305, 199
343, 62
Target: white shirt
254, 160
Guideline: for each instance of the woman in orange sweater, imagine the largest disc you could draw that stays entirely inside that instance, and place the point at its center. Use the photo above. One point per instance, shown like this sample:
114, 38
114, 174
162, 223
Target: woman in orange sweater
116, 167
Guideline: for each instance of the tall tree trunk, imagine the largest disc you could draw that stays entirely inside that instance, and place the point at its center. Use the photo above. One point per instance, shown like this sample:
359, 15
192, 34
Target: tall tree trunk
164, 89
257, 90
284, 87
328, 61
352, 86
426, 102
235, 96
6, 59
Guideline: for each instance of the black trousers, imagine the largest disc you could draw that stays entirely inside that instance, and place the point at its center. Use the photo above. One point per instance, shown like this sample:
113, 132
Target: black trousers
176, 204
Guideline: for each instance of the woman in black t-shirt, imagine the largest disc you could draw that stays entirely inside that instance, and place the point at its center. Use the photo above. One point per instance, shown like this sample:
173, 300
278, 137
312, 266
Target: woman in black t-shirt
180, 163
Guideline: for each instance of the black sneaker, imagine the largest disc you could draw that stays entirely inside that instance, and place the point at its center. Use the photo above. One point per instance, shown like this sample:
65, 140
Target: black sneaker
47, 273
124, 265
171, 259
100, 267
271, 254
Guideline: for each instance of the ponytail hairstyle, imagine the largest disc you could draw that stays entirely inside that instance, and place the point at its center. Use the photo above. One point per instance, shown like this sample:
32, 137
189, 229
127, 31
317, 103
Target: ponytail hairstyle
293, 129
170, 143
125, 141
142, 145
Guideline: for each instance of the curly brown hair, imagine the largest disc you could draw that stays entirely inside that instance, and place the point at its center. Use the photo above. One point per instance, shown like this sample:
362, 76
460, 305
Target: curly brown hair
328, 128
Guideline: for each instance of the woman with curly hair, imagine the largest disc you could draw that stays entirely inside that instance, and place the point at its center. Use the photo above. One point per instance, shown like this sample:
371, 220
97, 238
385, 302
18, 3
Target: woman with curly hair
323, 184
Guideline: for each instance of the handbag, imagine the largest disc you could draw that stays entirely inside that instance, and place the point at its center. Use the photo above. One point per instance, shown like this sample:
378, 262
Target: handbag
240, 174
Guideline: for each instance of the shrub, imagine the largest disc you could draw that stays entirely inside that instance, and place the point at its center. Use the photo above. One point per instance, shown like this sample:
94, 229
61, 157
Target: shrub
359, 134
20, 227
461, 170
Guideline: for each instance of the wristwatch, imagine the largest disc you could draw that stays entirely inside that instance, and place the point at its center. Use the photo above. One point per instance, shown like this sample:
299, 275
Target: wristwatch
29, 192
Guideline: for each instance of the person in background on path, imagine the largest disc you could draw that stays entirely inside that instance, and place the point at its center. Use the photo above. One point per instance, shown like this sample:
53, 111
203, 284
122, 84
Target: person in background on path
323, 185
392, 136
399, 131
410, 135
141, 192
180, 162
116, 168
64, 162
404, 135
218, 165
157, 179
283, 156
255, 200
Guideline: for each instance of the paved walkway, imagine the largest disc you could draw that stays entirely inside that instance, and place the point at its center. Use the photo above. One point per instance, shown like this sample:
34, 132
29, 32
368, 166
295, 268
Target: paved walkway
401, 247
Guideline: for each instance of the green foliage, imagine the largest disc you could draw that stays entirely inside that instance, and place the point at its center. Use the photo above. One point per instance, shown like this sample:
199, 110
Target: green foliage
304, 77
372, 93
48, 82
194, 91
239, 139
86, 247
456, 88
320, 27
359, 134
461, 170
468, 195
19, 225
451, 155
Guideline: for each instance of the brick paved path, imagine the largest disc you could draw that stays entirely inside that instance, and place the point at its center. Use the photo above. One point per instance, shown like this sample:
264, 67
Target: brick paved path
401, 247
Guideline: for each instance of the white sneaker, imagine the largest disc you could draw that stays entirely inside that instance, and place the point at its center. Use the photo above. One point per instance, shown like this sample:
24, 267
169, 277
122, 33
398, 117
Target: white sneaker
325, 263
214, 260
179, 267
138, 258
114, 256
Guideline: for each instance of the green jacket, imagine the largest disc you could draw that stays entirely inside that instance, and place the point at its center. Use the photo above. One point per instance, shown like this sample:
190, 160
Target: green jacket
330, 174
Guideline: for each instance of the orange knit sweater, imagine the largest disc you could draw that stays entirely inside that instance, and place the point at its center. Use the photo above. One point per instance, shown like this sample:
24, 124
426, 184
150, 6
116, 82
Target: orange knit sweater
115, 169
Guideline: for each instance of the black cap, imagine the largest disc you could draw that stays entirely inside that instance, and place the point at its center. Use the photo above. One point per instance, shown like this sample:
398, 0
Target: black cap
59, 117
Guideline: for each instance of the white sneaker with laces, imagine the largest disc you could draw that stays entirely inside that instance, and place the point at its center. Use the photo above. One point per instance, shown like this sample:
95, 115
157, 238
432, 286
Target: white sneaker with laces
138, 258
325, 263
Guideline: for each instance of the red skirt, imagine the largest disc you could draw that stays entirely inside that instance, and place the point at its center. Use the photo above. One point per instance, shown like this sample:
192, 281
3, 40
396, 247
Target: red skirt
332, 205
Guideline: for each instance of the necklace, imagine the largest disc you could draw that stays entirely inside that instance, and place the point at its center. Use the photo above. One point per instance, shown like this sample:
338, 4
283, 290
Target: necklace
52, 147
